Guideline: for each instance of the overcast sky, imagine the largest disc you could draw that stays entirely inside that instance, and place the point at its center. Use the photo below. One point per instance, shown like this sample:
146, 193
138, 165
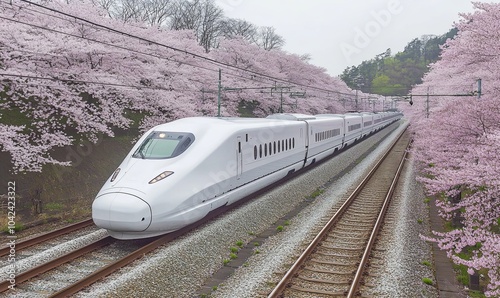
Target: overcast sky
342, 33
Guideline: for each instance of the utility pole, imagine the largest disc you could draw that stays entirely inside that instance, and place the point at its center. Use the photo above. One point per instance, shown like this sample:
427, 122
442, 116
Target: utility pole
356, 99
280, 88
478, 88
218, 93
427, 104
281, 100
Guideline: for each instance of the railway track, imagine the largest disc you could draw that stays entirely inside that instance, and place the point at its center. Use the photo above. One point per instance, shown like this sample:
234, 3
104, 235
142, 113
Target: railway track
86, 253
333, 264
47, 236
107, 254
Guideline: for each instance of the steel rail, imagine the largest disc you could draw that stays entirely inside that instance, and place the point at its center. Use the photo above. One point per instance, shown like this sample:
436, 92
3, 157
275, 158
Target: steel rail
47, 236
137, 254
20, 278
107, 270
373, 236
280, 287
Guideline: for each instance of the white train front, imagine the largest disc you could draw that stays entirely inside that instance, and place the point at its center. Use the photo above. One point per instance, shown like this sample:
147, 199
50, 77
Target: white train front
179, 171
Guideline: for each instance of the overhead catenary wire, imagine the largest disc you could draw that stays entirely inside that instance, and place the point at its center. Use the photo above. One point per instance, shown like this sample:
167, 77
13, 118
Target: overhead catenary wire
194, 55
123, 48
89, 82
100, 83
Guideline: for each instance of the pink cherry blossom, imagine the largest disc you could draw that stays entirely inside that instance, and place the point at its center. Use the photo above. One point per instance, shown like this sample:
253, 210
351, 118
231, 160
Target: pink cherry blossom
66, 79
458, 140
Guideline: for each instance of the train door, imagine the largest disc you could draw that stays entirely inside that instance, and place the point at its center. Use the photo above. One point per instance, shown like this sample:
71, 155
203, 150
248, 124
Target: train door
307, 139
346, 130
239, 159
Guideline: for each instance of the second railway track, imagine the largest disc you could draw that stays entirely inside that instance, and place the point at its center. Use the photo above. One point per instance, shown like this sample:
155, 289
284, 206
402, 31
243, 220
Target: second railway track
332, 265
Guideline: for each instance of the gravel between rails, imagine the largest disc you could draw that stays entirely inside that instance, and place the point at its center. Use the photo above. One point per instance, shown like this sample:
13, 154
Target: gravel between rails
38, 248
180, 268
54, 252
398, 269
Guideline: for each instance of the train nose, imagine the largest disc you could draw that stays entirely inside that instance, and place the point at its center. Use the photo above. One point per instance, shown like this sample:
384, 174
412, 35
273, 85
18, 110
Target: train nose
121, 212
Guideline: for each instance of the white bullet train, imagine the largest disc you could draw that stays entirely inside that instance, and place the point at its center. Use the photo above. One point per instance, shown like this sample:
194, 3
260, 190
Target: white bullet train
180, 171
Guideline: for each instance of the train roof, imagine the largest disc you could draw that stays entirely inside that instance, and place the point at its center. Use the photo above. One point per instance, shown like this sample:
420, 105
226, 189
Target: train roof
288, 116
196, 124
337, 115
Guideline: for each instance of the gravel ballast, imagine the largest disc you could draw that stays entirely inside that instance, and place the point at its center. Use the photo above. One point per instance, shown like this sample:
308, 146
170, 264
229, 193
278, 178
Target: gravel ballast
400, 254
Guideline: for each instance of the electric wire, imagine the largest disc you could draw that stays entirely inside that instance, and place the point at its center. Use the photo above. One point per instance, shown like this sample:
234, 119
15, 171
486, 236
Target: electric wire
213, 61
112, 45
124, 48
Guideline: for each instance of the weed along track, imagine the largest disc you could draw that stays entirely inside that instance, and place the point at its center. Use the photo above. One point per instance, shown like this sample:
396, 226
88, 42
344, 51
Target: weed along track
333, 264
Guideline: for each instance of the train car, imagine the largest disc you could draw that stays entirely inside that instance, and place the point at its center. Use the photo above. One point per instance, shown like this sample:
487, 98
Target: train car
324, 135
353, 126
390, 117
378, 121
367, 124
179, 171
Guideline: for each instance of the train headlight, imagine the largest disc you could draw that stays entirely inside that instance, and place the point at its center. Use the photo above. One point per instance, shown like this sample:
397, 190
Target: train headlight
113, 177
161, 177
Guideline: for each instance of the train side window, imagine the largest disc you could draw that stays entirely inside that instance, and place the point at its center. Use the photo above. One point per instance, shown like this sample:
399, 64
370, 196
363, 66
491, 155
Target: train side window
247, 137
239, 147
270, 148
279, 146
274, 147
260, 150
293, 143
290, 143
255, 152
283, 145
286, 145
265, 149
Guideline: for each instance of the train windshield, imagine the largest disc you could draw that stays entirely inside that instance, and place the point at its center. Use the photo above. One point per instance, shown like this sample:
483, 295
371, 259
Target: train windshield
161, 145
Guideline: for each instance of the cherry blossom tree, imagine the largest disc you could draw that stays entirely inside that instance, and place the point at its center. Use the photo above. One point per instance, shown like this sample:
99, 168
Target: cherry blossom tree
68, 79
457, 140
80, 74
